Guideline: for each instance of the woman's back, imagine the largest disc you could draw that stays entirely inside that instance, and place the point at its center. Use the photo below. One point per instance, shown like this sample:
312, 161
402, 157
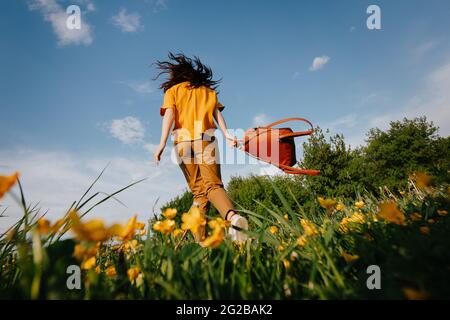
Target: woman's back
193, 109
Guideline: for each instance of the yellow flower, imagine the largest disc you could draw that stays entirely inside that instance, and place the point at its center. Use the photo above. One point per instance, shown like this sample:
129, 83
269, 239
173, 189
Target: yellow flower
129, 230
214, 239
273, 229
134, 244
286, 217
343, 226
91, 231
45, 227
357, 217
301, 241
165, 226
140, 225
219, 223
423, 180
83, 252
280, 248
349, 257
390, 212
170, 213
416, 216
143, 232
442, 213
414, 294
359, 204
7, 182
177, 232
327, 203
133, 273
88, 264
309, 227
111, 271
193, 220
286, 263
340, 207
424, 230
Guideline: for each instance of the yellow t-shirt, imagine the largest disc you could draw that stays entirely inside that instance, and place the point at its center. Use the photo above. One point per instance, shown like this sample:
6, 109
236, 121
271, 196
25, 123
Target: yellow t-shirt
193, 110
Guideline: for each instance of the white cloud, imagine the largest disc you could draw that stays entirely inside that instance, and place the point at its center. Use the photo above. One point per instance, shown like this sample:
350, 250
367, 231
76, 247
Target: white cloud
90, 6
425, 48
433, 102
319, 62
150, 147
128, 130
54, 13
157, 5
142, 87
261, 120
348, 121
127, 22
352, 28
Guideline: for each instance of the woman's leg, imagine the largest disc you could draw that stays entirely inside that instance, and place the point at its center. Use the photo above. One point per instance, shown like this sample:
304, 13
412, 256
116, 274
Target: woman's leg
206, 157
195, 182
206, 154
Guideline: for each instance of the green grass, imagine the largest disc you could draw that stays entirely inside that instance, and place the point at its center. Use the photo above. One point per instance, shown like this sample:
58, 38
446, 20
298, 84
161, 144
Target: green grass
270, 266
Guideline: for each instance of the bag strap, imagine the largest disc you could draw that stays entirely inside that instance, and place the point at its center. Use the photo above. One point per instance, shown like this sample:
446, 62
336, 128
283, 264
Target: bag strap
293, 134
292, 170
286, 120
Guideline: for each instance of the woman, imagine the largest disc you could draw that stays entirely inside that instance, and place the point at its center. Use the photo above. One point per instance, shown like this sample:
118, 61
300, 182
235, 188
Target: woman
190, 102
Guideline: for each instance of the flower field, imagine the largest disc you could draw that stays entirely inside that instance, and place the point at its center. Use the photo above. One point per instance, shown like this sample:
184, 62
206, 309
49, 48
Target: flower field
321, 252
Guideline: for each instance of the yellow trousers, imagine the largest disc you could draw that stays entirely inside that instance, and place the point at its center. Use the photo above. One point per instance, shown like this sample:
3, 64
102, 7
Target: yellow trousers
199, 161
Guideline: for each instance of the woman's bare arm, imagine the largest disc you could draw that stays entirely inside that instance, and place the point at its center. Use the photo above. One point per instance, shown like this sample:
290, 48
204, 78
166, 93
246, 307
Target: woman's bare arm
167, 123
223, 127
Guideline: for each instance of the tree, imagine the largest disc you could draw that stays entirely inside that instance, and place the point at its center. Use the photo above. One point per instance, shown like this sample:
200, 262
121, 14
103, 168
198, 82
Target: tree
408, 146
339, 165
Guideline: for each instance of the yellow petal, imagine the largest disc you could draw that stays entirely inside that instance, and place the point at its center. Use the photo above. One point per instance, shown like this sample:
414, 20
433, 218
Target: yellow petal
390, 212
309, 227
193, 220
414, 294
88, 264
359, 204
170, 213
349, 257
442, 213
7, 182
215, 239
424, 230
273, 229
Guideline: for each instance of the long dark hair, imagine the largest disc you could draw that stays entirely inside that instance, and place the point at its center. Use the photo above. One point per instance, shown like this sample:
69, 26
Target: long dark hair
180, 68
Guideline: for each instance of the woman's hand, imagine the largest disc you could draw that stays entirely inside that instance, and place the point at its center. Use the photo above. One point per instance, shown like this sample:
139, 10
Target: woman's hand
231, 140
158, 152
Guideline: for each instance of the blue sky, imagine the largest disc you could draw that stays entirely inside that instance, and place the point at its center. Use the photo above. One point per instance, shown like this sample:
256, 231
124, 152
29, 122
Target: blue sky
72, 103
